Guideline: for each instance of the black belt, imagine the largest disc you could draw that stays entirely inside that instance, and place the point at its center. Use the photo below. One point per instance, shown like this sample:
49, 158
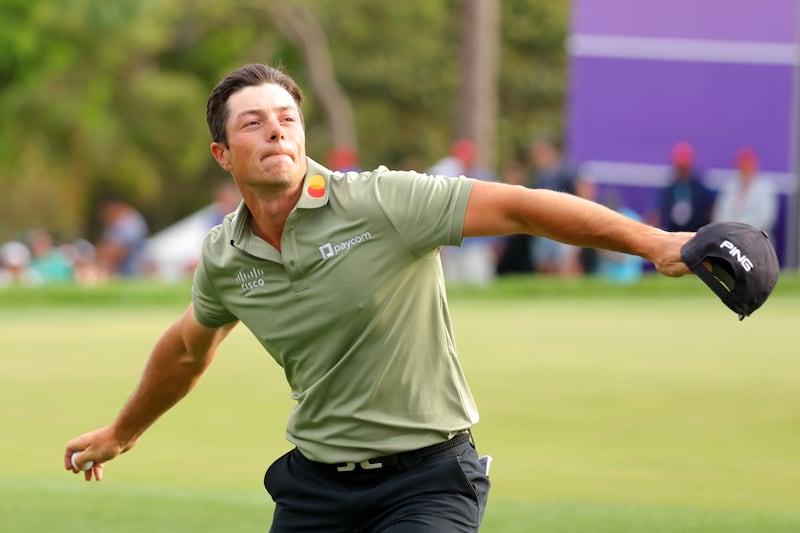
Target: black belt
396, 461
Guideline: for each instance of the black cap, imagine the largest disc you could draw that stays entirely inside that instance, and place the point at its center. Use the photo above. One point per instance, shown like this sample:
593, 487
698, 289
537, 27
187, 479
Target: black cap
743, 264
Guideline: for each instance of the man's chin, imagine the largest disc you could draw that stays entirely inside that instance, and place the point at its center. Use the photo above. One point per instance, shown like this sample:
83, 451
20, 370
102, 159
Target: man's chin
279, 165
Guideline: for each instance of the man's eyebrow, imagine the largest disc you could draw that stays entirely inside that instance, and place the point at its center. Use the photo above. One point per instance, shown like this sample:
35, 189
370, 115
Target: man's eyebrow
258, 111
246, 112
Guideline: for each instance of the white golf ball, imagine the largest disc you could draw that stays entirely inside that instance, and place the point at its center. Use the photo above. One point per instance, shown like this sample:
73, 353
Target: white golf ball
87, 466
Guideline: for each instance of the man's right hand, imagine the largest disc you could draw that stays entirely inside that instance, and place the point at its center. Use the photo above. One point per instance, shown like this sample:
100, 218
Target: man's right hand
98, 446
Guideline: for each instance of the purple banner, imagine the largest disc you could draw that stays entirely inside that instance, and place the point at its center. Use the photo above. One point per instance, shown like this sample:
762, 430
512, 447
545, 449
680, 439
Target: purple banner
733, 20
635, 111
720, 74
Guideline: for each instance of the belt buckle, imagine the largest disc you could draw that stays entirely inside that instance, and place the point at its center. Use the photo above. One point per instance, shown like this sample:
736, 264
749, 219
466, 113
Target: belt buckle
366, 465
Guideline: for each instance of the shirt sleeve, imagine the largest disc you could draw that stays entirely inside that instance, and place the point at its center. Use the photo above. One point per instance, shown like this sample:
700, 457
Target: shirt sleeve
208, 309
427, 211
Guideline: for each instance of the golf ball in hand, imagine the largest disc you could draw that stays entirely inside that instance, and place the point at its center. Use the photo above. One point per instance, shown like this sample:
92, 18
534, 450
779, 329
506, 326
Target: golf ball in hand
87, 466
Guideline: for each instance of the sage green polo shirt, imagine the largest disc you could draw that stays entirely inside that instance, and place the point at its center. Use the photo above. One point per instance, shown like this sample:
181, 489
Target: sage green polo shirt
353, 308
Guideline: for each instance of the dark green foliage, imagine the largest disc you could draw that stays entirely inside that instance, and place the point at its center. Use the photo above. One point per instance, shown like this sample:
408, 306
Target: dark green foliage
98, 96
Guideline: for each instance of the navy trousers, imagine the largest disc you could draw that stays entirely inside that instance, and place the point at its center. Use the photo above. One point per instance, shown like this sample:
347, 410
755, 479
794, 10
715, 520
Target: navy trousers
440, 493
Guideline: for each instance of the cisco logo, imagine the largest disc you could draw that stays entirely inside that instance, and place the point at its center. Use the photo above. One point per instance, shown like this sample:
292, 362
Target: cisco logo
250, 279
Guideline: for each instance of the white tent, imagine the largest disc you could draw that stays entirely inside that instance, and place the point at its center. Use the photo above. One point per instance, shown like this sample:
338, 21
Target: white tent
172, 253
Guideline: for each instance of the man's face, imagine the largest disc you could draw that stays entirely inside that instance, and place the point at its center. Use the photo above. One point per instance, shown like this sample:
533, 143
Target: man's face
266, 140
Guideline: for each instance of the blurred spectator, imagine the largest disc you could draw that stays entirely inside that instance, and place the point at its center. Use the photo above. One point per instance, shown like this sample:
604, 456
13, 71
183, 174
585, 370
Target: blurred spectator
343, 159
686, 203
15, 260
462, 161
749, 197
515, 250
83, 256
123, 237
172, 253
474, 261
551, 171
49, 263
617, 267
587, 257
226, 199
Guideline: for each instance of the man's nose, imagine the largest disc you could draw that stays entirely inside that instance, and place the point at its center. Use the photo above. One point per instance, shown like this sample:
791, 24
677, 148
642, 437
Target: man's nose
274, 130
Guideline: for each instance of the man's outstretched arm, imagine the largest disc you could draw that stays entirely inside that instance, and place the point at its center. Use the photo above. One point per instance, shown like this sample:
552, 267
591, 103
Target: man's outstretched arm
500, 209
178, 360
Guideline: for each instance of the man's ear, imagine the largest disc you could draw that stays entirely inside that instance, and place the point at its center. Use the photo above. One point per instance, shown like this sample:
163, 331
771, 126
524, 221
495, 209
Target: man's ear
220, 153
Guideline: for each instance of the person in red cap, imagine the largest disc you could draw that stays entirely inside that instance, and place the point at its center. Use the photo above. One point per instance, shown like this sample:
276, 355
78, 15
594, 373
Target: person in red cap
473, 262
750, 197
685, 205
343, 158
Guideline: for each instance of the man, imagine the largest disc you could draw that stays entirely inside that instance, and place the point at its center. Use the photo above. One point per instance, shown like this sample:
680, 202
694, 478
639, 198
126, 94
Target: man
125, 231
686, 203
338, 276
550, 171
473, 261
749, 197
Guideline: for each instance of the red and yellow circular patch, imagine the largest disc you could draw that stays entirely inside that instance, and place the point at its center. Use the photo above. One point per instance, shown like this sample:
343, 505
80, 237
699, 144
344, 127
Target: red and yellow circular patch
316, 186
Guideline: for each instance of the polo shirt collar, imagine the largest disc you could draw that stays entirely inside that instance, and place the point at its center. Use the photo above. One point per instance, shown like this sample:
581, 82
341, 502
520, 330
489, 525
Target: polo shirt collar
315, 194
315, 186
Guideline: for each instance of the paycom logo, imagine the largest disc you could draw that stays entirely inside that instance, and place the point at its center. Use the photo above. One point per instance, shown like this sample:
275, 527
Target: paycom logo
329, 250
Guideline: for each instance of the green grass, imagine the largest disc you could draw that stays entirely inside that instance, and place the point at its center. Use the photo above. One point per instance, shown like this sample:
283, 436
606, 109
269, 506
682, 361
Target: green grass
624, 409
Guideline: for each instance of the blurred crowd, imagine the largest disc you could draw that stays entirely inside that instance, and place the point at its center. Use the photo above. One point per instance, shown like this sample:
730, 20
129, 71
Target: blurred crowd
686, 203
38, 258
126, 248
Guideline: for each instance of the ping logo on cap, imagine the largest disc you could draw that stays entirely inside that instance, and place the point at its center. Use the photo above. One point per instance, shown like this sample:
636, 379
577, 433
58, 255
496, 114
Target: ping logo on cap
741, 274
737, 254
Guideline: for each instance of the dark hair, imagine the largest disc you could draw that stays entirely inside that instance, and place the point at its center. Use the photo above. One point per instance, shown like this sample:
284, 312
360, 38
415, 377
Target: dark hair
246, 76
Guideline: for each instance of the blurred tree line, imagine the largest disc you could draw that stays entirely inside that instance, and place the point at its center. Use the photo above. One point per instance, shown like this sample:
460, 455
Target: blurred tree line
101, 96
